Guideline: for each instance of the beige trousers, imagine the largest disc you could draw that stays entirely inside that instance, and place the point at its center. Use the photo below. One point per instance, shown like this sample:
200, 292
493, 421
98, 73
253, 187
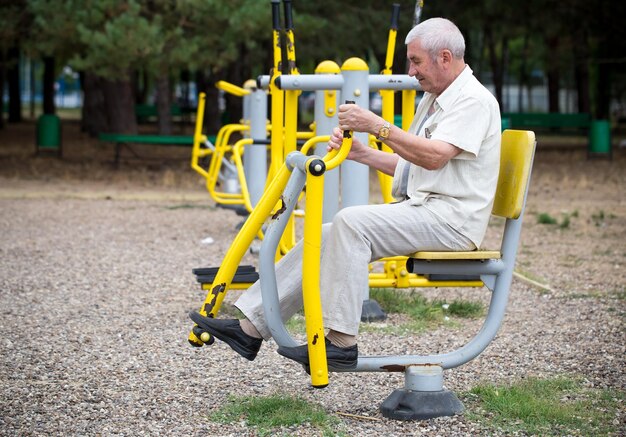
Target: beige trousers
357, 236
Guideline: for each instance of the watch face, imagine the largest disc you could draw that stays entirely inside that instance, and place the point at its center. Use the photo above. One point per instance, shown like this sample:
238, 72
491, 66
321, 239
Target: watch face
384, 132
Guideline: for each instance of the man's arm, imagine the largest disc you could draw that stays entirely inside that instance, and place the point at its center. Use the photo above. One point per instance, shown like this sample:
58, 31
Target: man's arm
427, 153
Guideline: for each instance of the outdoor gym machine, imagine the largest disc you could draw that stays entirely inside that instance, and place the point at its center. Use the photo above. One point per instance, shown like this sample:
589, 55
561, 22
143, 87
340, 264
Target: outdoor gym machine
423, 395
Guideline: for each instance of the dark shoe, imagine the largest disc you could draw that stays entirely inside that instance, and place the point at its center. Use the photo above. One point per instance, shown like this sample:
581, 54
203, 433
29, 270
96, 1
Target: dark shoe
230, 332
336, 357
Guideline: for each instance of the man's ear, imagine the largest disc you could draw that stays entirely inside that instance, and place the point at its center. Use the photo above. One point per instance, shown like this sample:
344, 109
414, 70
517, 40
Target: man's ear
446, 56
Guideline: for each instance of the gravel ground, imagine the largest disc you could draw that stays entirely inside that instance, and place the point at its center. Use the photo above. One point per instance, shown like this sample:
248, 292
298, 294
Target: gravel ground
96, 284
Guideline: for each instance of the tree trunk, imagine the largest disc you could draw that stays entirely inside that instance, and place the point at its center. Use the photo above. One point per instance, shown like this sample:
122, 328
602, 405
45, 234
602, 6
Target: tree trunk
164, 104
603, 92
13, 76
120, 106
212, 116
94, 119
524, 77
2, 71
496, 65
581, 74
553, 74
49, 75
140, 83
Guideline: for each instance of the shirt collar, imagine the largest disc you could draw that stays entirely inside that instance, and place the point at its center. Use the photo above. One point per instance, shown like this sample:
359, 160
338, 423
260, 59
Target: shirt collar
447, 98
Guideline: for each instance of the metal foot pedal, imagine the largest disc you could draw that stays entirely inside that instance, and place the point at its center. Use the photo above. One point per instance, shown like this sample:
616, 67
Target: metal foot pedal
244, 274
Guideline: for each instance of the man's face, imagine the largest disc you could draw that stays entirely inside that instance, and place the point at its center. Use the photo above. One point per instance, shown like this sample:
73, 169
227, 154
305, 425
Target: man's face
424, 69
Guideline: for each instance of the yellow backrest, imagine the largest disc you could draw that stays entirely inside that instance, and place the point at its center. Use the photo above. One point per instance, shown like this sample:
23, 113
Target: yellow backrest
516, 155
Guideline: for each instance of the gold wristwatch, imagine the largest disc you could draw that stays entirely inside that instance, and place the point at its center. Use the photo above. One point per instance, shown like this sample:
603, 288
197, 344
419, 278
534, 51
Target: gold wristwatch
383, 133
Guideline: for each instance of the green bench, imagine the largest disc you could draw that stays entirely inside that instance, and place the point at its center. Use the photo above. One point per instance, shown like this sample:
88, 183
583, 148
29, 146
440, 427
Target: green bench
549, 122
124, 140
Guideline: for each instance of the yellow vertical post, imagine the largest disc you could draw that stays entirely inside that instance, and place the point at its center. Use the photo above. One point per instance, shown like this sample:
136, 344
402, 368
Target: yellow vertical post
387, 97
311, 275
198, 137
288, 239
311, 259
408, 108
276, 141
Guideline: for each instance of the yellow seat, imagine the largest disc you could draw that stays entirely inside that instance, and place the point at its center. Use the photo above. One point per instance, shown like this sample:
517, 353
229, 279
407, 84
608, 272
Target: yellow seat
474, 254
516, 155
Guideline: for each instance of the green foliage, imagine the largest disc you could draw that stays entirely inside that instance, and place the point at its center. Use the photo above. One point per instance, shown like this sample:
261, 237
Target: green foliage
112, 37
560, 406
268, 414
13, 19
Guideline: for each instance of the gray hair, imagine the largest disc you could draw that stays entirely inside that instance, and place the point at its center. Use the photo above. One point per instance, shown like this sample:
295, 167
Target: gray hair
436, 34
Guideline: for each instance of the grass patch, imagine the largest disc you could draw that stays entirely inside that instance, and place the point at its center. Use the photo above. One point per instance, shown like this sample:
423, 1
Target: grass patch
423, 313
270, 413
419, 308
559, 406
546, 219
296, 324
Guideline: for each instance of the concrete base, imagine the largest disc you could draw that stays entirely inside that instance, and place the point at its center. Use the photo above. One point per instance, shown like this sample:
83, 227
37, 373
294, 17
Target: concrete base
405, 404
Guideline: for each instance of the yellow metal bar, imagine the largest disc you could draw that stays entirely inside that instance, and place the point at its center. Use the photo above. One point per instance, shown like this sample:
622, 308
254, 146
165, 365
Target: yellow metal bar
233, 286
198, 138
419, 282
238, 149
385, 180
231, 88
310, 280
334, 158
408, 108
387, 97
240, 245
313, 141
276, 143
221, 148
305, 135
288, 239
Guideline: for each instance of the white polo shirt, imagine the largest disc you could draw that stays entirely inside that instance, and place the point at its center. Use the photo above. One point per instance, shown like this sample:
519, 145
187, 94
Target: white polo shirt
461, 192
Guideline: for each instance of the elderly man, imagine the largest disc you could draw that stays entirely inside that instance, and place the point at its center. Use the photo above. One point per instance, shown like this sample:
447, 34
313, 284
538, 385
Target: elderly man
445, 170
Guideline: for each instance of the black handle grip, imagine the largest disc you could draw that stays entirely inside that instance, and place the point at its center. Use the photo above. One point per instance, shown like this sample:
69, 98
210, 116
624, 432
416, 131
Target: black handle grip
288, 15
395, 15
276, 14
346, 133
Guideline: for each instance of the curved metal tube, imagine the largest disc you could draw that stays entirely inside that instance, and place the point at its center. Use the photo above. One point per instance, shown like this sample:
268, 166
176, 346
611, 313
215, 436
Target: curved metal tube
273, 234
